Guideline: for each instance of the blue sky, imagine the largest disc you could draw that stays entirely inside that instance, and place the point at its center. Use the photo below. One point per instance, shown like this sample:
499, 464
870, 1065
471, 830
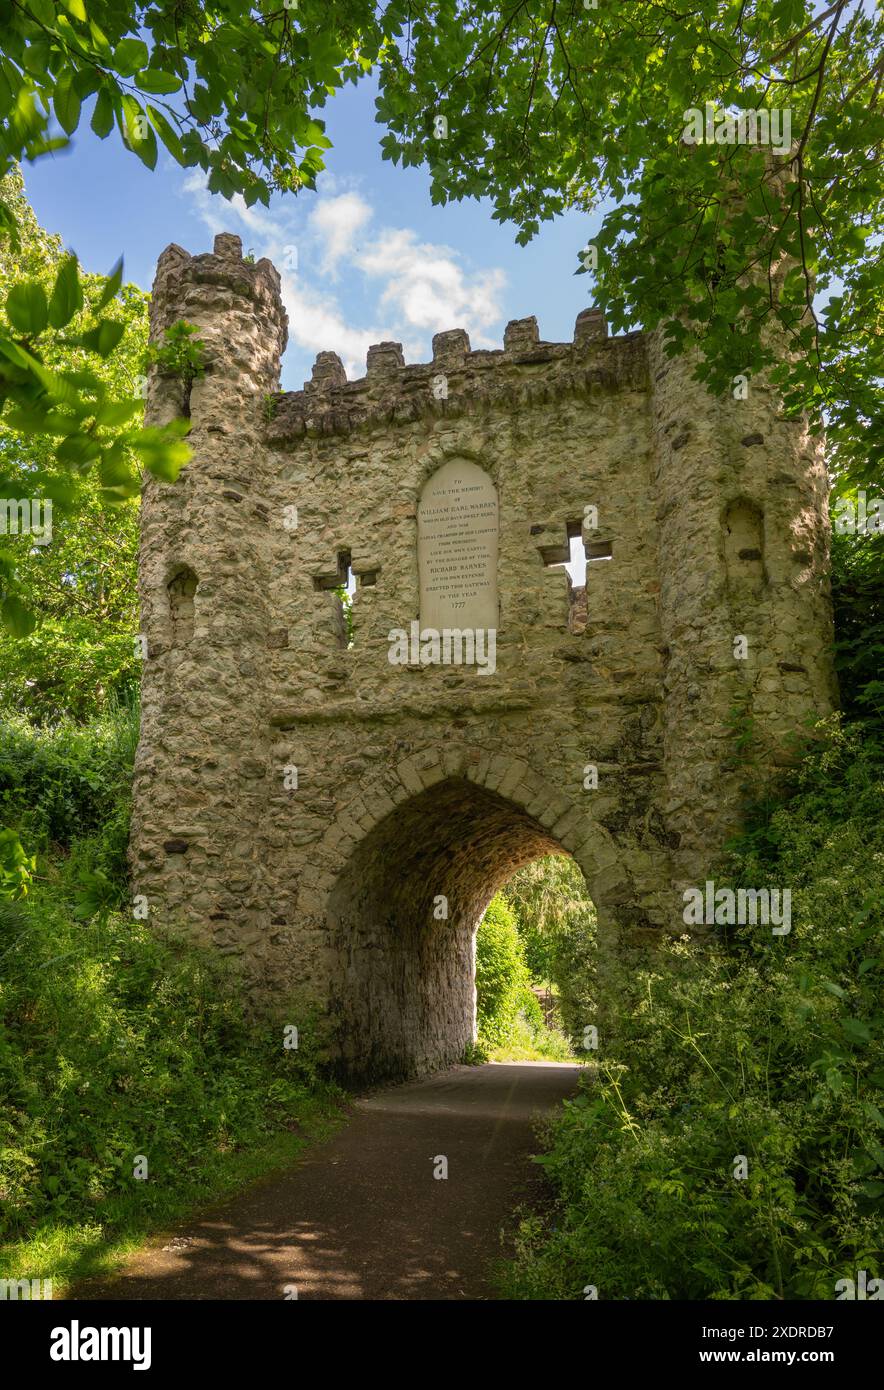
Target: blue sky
366, 258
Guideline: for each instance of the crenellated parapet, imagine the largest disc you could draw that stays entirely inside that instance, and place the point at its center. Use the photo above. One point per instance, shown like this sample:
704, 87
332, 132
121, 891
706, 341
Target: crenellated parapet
238, 311
458, 381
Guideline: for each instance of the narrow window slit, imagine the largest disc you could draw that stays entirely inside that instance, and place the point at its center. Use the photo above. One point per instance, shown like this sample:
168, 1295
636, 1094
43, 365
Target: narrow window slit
181, 590
574, 557
341, 582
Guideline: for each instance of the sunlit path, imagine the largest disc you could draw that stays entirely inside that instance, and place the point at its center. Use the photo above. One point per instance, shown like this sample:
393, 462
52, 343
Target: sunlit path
363, 1216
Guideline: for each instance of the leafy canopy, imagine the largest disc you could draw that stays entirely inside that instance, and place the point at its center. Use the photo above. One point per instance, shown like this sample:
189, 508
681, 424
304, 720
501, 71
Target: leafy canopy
80, 589
557, 106
227, 87
546, 106
538, 108
80, 455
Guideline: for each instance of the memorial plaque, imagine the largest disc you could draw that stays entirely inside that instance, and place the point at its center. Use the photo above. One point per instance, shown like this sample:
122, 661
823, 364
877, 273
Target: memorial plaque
457, 531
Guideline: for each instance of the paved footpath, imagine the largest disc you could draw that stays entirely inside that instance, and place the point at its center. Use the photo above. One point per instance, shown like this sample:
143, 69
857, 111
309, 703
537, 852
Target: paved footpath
361, 1216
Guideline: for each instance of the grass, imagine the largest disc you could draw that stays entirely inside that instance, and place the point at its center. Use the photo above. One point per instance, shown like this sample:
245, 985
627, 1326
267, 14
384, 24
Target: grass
115, 1043
528, 1043
70, 1253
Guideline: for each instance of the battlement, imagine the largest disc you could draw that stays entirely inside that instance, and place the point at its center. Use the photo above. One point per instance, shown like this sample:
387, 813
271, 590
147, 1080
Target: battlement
233, 300
459, 380
236, 306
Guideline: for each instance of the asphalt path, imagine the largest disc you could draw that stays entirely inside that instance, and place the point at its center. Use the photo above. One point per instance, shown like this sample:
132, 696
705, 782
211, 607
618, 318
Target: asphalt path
363, 1215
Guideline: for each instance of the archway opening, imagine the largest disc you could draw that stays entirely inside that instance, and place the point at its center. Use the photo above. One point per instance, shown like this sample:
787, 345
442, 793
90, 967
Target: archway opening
404, 915
537, 966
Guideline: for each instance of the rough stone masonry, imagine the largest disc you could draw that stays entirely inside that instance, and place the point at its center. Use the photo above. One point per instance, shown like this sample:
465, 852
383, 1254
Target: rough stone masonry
305, 804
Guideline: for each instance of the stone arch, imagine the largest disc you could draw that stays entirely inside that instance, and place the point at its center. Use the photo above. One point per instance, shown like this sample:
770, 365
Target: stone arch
441, 450
435, 829
644, 692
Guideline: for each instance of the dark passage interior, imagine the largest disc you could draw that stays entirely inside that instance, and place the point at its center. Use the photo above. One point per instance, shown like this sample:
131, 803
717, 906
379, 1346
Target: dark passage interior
404, 915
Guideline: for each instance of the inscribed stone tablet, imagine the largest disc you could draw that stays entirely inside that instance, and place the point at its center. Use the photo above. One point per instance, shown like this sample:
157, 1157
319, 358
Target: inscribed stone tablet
457, 528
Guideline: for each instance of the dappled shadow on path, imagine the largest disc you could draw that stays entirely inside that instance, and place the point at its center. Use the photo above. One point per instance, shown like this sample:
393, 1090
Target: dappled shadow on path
362, 1216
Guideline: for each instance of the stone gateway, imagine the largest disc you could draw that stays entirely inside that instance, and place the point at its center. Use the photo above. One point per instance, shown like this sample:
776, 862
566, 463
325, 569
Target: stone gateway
304, 803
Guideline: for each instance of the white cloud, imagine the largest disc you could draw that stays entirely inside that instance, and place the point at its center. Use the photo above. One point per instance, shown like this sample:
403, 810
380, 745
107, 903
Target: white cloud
317, 323
428, 286
337, 222
416, 288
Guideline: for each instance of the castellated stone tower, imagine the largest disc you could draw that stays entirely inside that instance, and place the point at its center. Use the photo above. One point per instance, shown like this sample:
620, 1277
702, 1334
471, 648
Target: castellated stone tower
337, 813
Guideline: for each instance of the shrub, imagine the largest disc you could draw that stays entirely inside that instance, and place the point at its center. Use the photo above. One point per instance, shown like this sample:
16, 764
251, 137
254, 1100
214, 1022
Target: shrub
181, 353
770, 1048
858, 600
114, 1042
70, 781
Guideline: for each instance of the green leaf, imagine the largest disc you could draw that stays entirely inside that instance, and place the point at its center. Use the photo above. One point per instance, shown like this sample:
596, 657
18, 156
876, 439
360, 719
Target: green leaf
66, 101
103, 338
40, 421
103, 116
314, 134
199, 105
15, 354
114, 413
67, 295
129, 56
78, 451
163, 456
834, 1080
58, 385
87, 80
19, 620
177, 429
44, 11
96, 894
856, 1030
166, 133
166, 463
76, 8
114, 281
156, 83
118, 479
139, 135
26, 307
838, 992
